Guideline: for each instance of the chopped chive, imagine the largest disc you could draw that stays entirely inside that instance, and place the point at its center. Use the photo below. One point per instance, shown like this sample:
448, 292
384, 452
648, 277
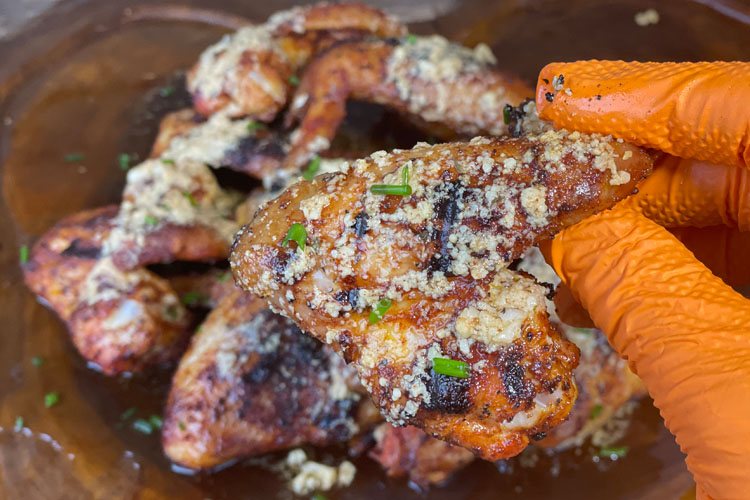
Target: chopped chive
596, 411
128, 413
252, 126
312, 169
297, 233
23, 254
18, 424
506, 113
155, 421
582, 330
379, 310
190, 197
411, 39
51, 399
150, 221
123, 161
171, 313
181, 425
617, 451
142, 426
198, 329
167, 91
167, 161
224, 277
294, 80
319, 496
451, 367
193, 298
387, 189
74, 157
37, 361
404, 189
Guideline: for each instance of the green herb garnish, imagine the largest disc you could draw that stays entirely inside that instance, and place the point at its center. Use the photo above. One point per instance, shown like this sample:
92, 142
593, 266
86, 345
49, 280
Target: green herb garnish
224, 277
181, 425
294, 80
617, 451
297, 233
194, 298
451, 367
190, 197
18, 425
319, 496
142, 426
150, 221
312, 169
506, 113
123, 161
167, 161
51, 399
252, 126
37, 361
411, 39
379, 310
155, 421
23, 254
74, 157
404, 189
167, 91
128, 413
596, 411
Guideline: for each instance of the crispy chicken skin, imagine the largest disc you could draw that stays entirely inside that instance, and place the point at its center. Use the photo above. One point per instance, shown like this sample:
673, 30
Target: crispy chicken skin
430, 78
120, 321
252, 382
258, 153
251, 69
441, 255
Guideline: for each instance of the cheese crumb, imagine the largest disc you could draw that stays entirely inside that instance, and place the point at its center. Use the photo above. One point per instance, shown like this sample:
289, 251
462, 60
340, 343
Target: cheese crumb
646, 17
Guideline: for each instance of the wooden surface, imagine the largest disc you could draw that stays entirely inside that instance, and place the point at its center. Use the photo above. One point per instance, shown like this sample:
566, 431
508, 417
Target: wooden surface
84, 78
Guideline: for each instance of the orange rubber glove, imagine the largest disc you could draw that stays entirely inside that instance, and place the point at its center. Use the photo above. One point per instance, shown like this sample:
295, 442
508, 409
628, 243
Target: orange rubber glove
684, 331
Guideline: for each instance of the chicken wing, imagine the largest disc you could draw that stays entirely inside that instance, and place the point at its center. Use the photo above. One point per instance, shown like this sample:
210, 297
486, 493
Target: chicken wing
428, 77
250, 71
173, 207
257, 153
119, 321
252, 382
408, 451
393, 282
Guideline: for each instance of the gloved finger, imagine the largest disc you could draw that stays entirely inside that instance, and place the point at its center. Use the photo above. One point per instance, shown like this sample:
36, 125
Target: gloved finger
694, 193
684, 332
722, 249
691, 110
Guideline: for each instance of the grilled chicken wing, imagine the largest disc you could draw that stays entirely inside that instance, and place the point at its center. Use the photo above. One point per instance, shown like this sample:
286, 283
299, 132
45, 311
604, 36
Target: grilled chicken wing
408, 451
252, 382
258, 153
120, 321
440, 256
249, 72
605, 383
173, 207
428, 77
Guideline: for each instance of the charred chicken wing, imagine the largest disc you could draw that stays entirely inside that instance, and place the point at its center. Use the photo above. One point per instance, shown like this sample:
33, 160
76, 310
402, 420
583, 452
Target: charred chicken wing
252, 382
430, 78
399, 262
250, 72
